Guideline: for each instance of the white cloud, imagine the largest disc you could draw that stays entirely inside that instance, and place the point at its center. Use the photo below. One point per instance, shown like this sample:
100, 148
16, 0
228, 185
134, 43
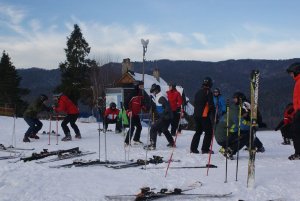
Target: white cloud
44, 47
200, 37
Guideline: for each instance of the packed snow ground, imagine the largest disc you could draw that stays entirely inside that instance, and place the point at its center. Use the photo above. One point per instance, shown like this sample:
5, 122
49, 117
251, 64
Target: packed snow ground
276, 176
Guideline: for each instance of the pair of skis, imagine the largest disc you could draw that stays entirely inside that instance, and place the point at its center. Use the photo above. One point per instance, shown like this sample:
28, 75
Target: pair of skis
177, 193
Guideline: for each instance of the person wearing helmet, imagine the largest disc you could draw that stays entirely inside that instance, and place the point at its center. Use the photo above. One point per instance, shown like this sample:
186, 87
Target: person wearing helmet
64, 105
30, 117
134, 104
204, 110
111, 117
175, 100
163, 118
219, 103
294, 71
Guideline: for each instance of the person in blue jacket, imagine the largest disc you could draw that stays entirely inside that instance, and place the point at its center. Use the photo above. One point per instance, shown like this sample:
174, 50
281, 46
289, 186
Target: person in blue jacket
219, 102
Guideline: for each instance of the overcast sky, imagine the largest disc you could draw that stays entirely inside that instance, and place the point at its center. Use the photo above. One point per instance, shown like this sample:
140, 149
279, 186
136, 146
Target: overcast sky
34, 32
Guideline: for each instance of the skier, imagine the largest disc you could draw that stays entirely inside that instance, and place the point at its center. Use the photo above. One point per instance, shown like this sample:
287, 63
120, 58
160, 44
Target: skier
219, 103
163, 118
64, 105
285, 124
246, 117
294, 71
229, 144
111, 117
30, 116
204, 110
175, 100
134, 105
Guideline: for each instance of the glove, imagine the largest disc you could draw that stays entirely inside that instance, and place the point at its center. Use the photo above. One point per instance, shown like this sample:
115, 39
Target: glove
129, 114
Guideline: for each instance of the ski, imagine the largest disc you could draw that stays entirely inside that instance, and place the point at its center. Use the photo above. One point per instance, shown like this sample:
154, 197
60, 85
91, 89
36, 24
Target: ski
45, 153
85, 163
10, 157
183, 167
13, 149
140, 162
148, 194
65, 156
253, 117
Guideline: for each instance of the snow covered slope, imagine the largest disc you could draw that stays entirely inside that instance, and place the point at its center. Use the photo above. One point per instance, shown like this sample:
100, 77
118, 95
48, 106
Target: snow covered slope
276, 176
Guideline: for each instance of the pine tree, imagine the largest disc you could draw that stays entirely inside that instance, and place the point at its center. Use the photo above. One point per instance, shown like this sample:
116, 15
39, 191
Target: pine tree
75, 70
10, 92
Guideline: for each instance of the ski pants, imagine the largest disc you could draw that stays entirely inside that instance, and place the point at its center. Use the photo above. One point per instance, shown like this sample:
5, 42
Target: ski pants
202, 124
236, 144
246, 134
34, 126
70, 118
113, 121
160, 126
175, 122
135, 122
296, 132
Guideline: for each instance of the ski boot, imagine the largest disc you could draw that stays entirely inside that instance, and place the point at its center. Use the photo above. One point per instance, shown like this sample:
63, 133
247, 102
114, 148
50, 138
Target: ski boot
34, 136
286, 141
171, 145
78, 136
68, 137
207, 151
194, 151
26, 139
260, 149
294, 157
228, 153
150, 147
138, 142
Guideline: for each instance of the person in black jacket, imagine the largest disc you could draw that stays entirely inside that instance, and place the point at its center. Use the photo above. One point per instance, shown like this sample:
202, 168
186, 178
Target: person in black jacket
163, 120
203, 115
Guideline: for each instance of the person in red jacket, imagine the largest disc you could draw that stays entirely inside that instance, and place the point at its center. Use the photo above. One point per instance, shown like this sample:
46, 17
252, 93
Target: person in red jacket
134, 104
111, 117
64, 105
285, 124
294, 71
175, 100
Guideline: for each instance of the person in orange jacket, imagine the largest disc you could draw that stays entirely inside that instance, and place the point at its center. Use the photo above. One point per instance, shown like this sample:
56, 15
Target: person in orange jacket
285, 124
64, 105
175, 100
294, 72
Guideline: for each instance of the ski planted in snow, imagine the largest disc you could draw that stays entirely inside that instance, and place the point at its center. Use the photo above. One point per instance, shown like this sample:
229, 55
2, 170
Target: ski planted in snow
45, 153
86, 163
68, 155
154, 160
147, 194
254, 82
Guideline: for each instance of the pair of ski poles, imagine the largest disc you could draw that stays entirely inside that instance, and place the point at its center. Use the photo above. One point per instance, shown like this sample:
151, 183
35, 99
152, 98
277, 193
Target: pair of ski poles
50, 120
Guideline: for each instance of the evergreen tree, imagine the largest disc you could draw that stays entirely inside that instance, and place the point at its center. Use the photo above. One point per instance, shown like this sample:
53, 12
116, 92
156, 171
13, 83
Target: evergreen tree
10, 92
75, 70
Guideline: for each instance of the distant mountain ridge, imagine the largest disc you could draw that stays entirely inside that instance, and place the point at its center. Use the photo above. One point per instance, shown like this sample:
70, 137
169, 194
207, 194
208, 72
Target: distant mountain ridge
276, 86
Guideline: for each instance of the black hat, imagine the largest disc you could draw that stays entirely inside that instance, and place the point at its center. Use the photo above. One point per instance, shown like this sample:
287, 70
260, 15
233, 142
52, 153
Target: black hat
294, 68
155, 88
173, 85
207, 81
43, 97
112, 105
239, 95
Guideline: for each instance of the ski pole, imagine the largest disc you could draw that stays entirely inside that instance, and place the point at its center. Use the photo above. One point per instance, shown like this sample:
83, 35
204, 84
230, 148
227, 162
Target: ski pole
56, 129
174, 145
99, 145
130, 136
212, 137
49, 129
239, 135
151, 118
227, 135
105, 147
13, 139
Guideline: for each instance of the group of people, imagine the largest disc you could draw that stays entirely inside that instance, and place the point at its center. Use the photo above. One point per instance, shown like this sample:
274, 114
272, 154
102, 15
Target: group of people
230, 122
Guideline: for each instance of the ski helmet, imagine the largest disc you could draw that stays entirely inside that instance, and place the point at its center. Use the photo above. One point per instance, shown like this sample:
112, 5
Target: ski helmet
112, 105
239, 95
294, 68
173, 85
155, 88
43, 97
207, 81
217, 90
